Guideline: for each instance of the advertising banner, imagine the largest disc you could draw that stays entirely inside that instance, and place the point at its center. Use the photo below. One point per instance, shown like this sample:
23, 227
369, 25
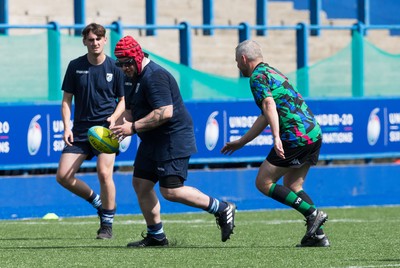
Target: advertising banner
31, 135
352, 128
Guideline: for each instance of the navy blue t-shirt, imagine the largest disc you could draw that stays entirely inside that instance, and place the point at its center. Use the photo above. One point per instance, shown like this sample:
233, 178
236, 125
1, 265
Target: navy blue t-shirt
154, 88
96, 89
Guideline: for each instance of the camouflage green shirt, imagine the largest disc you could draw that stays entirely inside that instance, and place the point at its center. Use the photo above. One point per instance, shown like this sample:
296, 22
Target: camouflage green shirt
297, 124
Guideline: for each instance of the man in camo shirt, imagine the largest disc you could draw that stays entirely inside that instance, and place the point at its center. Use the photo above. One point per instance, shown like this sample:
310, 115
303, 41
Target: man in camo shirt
297, 139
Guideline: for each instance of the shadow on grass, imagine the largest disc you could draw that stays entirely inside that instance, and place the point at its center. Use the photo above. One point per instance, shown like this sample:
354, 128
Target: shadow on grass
93, 243
172, 246
40, 238
138, 248
389, 260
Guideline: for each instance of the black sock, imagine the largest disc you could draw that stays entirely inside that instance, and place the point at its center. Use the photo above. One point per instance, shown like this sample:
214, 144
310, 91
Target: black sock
107, 216
215, 206
95, 200
156, 231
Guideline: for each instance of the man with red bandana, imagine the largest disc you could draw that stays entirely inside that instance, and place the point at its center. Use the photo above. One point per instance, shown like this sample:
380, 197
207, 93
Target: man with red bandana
156, 112
297, 139
97, 87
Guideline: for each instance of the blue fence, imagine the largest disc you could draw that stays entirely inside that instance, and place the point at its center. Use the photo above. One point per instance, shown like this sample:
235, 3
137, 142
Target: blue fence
185, 29
185, 43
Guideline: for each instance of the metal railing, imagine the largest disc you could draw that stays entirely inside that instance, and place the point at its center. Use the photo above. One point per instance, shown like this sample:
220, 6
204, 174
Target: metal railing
244, 31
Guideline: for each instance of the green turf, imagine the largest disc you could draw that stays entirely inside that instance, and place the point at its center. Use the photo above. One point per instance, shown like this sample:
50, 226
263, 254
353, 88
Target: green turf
360, 237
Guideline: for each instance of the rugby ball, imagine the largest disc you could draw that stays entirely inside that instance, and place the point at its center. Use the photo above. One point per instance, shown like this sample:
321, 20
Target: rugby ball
101, 139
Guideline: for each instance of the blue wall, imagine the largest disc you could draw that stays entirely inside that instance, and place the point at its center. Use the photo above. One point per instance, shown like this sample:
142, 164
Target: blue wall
34, 196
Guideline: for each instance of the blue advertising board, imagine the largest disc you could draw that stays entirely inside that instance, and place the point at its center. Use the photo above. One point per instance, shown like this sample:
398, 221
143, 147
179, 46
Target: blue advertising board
352, 128
31, 135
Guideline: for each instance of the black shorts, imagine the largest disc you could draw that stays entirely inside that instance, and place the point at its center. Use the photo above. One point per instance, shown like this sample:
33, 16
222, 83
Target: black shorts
171, 173
296, 157
81, 147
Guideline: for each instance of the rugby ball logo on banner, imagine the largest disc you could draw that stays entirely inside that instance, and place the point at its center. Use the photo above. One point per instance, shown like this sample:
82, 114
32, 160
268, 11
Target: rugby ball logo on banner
212, 131
34, 137
374, 127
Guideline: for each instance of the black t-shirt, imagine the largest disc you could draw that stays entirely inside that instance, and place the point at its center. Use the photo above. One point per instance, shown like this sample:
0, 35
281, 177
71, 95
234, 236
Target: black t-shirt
96, 89
154, 88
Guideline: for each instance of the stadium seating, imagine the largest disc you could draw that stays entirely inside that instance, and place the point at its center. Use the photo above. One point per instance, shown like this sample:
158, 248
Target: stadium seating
213, 54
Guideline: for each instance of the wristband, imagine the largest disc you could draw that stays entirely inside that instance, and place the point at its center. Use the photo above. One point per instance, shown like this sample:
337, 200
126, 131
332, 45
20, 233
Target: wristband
133, 128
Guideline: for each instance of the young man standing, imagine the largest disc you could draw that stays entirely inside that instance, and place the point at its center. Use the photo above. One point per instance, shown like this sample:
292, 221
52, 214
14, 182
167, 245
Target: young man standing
97, 87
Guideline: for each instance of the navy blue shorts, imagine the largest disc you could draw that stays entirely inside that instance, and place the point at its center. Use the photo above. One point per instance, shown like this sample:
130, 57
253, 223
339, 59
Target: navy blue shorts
81, 147
170, 174
296, 157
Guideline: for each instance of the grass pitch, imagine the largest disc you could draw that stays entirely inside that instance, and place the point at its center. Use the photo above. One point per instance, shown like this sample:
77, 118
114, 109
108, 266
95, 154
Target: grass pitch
360, 237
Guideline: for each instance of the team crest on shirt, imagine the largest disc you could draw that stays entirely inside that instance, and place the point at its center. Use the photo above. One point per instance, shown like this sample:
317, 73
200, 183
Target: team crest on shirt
109, 77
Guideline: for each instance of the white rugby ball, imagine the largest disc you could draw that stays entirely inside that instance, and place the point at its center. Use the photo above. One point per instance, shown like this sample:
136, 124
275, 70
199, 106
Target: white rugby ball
101, 139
